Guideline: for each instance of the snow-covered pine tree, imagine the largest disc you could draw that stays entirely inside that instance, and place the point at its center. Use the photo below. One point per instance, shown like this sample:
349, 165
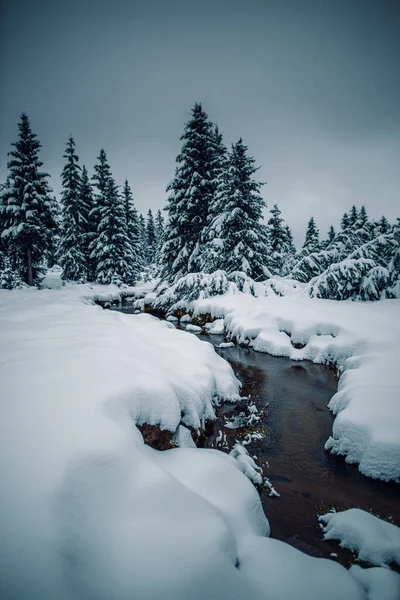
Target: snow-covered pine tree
133, 232
344, 222
111, 248
243, 244
142, 237
383, 225
102, 174
330, 237
29, 207
353, 216
211, 258
160, 225
71, 252
87, 205
151, 238
191, 192
279, 242
311, 242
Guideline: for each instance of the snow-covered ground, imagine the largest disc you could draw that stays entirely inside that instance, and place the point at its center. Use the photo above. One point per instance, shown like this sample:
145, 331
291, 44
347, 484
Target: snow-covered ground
361, 338
86, 509
374, 540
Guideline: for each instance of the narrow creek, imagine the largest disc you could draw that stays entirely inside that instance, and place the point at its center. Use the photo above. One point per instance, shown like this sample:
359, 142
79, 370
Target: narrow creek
296, 423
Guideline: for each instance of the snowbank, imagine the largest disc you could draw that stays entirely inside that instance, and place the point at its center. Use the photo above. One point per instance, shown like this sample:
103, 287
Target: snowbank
361, 338
374, 540
86, 509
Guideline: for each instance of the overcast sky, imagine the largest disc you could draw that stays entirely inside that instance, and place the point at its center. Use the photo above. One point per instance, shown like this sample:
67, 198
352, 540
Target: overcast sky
313, 87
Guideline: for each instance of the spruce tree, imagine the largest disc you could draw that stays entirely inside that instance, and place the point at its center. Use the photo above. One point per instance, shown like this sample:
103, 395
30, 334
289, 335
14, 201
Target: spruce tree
100, 178
72, 248
151, 239
28, 207
280, 246
383, 225
331, 235
111, 249
239, 233
143, 239
133, 233
210, 252
353, 216
87, 205
159, 224
344, 222
311, 242
191, 192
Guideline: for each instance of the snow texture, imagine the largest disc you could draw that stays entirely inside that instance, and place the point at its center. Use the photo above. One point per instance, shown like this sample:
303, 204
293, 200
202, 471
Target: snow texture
379, 583
375, 541
86, 509
360, 338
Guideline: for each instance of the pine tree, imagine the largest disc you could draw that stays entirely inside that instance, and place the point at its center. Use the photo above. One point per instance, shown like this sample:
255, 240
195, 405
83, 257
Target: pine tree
151, 239
331, 235
72, 257
353, 216
311, 242
87, 206
100, 178
344, 222
159, 225
383, 225
143, 238
133, 233
111, 249
191, 192
238, 231
210, 253
28, 207
280, 243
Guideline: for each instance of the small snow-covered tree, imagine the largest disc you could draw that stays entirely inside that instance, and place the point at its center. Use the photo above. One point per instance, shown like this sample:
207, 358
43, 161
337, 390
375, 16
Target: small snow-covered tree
151, 237
330, 237
159, 226
311, 242
28, 207
71, 252
191, 192
133, 233
280, 243
87, 206
111, 248
238, 229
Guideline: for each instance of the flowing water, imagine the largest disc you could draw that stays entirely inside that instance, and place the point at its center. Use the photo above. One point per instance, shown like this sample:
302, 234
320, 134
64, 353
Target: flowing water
309, 480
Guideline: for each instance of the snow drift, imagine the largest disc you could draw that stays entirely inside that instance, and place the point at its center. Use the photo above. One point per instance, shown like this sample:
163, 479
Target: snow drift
86, 509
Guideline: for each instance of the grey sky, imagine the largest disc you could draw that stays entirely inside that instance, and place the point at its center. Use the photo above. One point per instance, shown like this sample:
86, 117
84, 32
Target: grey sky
313, 87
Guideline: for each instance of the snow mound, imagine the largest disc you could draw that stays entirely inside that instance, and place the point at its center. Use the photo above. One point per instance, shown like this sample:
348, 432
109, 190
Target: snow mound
194, 328
87, 510
360, 338
374, 540
216, 327
378, 583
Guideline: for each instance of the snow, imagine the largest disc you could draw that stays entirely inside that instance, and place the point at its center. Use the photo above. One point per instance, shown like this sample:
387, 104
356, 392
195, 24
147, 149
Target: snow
360, 338
375, 541
216, 327
379, 583
194, 328
86, 509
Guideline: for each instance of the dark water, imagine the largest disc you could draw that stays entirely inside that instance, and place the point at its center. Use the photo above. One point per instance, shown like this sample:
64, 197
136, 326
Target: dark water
309, 480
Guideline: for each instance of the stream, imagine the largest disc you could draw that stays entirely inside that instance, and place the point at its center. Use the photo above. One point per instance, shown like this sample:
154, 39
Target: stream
293, 398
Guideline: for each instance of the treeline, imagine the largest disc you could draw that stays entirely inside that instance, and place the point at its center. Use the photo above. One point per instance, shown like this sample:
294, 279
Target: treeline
94, 233
215, 223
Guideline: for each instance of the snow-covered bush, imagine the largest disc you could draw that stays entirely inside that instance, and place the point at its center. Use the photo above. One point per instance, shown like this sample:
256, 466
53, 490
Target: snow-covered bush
197, 286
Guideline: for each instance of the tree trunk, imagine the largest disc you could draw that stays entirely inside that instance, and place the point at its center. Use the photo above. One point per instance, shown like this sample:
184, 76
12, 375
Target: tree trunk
29, 266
